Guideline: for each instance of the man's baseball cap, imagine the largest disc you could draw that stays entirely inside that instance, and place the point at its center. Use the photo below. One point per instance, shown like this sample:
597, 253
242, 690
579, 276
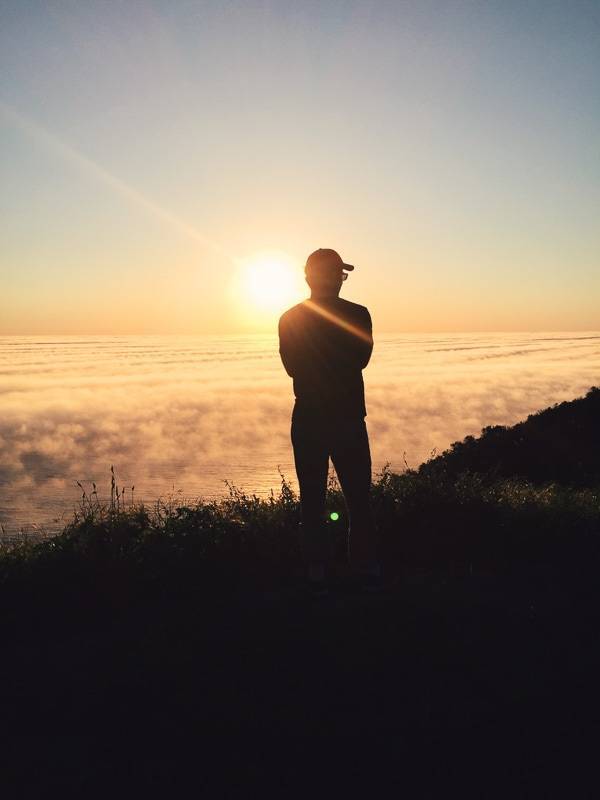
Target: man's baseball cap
325, 260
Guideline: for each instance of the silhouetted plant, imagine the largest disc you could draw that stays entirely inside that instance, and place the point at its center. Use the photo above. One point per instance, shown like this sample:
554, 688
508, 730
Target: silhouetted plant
447, 515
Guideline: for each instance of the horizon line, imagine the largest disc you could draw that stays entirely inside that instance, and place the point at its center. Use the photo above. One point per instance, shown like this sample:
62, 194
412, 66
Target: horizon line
259, 332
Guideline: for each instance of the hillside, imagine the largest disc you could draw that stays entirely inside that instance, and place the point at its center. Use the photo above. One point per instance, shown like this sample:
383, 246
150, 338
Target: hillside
559, 444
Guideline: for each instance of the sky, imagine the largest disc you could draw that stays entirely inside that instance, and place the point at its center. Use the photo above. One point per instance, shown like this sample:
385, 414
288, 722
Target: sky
152, 153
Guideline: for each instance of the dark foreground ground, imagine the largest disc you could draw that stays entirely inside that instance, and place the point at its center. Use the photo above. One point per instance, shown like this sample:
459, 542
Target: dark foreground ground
480, 685
173, 651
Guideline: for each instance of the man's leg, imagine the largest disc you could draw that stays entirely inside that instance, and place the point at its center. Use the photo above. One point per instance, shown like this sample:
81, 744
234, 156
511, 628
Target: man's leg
351, 458
311, 459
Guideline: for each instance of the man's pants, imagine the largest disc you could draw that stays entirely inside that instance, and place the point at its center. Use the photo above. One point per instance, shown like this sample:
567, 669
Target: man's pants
315, 438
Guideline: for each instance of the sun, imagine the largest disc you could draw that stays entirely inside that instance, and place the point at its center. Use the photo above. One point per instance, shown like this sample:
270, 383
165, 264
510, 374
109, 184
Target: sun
267, 283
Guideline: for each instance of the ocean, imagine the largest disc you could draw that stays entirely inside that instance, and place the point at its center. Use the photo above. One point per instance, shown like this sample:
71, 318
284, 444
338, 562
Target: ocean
178, 416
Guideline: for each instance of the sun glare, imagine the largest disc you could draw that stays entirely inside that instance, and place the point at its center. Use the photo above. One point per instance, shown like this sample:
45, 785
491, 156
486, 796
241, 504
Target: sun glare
268, 283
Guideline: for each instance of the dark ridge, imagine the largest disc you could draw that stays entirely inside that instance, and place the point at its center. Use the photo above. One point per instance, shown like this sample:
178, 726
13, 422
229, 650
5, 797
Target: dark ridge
560, 444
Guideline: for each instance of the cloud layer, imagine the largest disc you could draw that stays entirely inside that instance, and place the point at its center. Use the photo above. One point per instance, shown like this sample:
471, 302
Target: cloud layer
186, 413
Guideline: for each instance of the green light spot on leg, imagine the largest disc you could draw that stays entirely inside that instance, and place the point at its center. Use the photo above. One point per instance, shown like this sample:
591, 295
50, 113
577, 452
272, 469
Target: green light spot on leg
334, 516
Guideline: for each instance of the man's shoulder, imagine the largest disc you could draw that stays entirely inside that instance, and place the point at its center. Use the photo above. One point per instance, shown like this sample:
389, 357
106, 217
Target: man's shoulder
292, 312
345, 307
354, 309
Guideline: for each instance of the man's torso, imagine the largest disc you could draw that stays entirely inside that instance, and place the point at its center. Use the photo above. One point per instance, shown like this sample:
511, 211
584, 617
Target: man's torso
324, 346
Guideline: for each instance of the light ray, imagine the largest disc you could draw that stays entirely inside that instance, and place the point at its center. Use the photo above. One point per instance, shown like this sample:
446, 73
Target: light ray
98, 173
329, 315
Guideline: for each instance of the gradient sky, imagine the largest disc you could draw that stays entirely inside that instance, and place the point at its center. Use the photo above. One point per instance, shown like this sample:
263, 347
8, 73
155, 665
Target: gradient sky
448, 149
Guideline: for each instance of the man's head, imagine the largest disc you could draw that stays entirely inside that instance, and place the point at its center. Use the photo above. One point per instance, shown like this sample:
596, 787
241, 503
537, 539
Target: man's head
325, 272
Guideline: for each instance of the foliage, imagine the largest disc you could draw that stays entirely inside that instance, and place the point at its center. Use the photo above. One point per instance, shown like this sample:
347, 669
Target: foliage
559, 444
445, 515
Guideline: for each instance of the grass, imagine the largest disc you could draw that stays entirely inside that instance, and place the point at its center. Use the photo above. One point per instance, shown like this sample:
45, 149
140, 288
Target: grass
443, 516
426, 519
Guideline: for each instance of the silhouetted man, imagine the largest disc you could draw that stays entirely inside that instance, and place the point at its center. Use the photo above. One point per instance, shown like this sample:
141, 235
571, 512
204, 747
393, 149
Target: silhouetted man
325, 342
